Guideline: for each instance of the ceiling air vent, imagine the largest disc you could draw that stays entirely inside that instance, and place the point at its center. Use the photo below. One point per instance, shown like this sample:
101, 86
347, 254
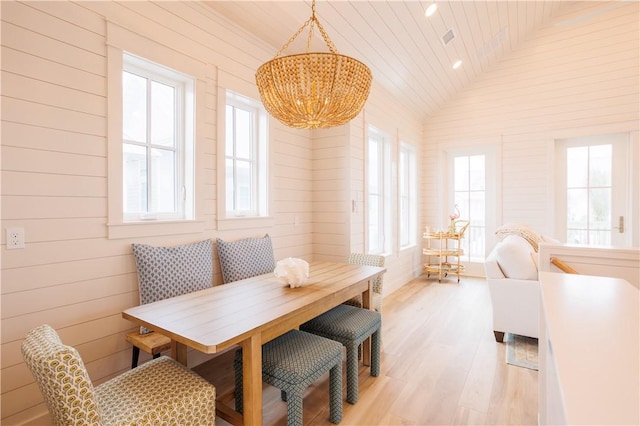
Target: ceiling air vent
448, 37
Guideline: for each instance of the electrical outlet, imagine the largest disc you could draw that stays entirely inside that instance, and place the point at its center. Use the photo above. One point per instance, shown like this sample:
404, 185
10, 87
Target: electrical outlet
15, 238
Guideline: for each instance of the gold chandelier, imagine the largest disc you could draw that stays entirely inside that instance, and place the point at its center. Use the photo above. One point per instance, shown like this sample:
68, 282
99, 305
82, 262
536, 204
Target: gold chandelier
313, 89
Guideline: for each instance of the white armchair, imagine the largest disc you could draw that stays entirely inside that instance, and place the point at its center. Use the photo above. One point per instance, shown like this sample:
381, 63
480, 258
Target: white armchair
514, 288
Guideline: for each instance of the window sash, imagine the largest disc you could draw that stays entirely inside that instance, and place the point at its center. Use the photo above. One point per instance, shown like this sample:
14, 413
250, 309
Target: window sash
161, 159
407, 202
378, 193
242, 165
470, 196
245, 154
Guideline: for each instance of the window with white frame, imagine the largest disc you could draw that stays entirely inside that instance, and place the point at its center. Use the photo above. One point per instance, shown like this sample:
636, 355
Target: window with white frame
245, 149
407, 195
157, 142
378, 192
469, 195
593, 190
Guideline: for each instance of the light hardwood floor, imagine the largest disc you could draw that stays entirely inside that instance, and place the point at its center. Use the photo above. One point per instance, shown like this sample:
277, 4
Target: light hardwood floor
440, 366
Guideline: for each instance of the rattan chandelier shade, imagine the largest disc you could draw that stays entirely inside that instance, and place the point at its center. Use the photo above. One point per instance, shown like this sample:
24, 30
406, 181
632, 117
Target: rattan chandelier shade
313, 89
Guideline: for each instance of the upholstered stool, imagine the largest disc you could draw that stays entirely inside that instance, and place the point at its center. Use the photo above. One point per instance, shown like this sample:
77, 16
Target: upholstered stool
376, 284
291, 363
350, 326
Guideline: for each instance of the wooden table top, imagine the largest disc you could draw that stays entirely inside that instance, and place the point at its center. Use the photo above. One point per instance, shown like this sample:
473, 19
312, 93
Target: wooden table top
217, 318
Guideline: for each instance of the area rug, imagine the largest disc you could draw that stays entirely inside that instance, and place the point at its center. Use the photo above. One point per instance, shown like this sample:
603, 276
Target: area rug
522, 351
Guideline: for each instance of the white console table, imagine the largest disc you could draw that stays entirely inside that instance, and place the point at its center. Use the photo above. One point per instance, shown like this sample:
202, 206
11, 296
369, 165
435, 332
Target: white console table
589, 350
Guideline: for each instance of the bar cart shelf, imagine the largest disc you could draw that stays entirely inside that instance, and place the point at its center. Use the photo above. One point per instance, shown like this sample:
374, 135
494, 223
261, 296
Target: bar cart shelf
443, 251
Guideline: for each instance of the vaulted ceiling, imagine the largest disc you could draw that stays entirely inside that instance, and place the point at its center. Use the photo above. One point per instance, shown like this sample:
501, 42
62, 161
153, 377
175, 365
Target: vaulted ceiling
406, 50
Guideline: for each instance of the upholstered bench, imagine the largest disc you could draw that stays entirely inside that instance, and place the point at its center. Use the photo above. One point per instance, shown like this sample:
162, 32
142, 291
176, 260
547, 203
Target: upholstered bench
165, 272
350, 326
291, 363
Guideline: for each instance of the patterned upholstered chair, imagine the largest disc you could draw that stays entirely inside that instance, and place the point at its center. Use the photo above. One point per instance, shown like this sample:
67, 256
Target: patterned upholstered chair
370, 260
245, 258
292, 362
161, 391
165, 272
350, 326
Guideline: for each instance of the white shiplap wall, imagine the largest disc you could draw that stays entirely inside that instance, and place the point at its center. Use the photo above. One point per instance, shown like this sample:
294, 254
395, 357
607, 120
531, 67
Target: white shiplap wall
54, 176
568, 80
401, 125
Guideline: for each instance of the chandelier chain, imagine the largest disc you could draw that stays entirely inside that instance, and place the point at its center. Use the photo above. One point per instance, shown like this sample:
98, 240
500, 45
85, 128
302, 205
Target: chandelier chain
311, 21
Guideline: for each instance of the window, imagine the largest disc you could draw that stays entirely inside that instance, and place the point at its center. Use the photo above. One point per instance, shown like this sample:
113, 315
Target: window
589, 186
157, 142
469, 195
407, 193
245, 157
378, 193
594, 190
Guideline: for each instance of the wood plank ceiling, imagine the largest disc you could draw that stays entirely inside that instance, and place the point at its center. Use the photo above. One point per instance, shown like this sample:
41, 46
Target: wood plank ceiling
403, 48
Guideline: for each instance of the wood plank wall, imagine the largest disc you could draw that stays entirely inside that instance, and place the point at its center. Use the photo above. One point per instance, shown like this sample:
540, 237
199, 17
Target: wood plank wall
400, 125
54, 177
577, 78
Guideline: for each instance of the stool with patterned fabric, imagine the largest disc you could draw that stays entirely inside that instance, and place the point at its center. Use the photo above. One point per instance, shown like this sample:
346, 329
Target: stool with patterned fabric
161, 391
291, 363
350, 326
376, 285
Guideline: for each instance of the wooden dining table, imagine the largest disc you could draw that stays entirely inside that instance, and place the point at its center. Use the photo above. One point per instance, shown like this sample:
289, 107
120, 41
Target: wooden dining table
249, 313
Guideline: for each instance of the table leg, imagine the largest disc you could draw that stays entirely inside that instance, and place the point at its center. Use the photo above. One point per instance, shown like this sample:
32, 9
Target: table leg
252, 380
179, 352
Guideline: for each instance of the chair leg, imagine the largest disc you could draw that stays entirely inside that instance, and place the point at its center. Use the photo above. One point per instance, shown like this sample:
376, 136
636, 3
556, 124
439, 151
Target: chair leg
134, 357
375, 353
352, 374
294, 407
238, 391
335, 394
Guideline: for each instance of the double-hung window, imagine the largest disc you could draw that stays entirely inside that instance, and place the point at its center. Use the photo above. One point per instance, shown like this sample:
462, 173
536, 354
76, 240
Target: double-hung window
157, 142
407, 195
378, 192
245, 157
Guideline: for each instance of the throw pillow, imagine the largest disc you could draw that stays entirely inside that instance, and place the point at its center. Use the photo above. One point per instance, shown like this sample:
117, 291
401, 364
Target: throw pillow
521, 230
165, 272
245, 258
513, 255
